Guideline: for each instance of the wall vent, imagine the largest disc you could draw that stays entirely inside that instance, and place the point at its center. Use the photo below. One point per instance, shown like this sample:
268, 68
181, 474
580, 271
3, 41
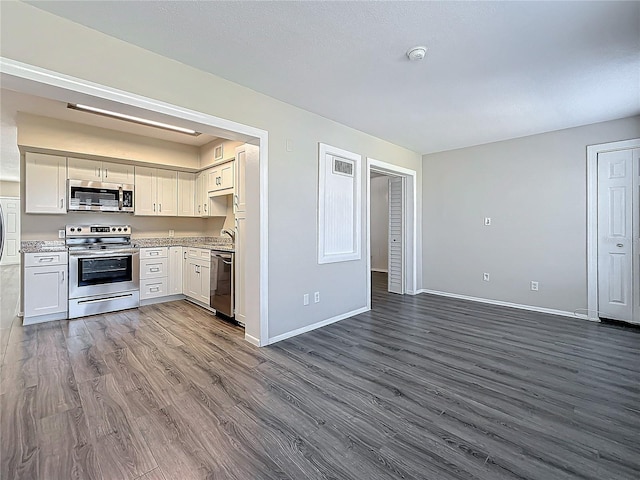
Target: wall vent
343, 166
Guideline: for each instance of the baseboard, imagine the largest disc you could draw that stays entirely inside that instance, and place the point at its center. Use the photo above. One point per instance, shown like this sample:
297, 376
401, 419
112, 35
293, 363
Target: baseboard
168, 298
381, 270
252, 340
313, 326
44, 318
530, 308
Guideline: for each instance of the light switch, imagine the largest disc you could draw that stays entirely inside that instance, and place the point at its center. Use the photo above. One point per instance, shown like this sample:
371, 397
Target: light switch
487, 221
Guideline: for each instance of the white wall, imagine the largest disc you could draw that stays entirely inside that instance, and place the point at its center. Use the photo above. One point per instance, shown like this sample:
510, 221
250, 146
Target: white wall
534, 190
380, 223
38, 38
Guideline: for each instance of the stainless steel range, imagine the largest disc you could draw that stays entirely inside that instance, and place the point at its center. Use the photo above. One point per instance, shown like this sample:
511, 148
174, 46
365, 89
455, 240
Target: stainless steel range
104, 269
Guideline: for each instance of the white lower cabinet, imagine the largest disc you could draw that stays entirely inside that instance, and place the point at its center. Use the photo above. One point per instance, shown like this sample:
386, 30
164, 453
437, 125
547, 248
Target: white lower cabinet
154, 274
166, 271
196, 279
45, 286
175, 270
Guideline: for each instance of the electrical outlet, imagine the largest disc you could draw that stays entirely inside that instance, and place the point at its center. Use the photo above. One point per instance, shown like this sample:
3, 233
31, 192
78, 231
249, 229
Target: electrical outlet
485, 277
60, 233
305, 299
534, 286
171, 233
316, 297
487, 221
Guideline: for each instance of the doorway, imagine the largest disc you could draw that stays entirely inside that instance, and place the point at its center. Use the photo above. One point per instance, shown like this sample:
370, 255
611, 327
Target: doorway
614, 231
391, 226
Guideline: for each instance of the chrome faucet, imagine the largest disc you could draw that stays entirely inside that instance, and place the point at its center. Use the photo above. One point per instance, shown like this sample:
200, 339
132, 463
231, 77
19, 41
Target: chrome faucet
231, 233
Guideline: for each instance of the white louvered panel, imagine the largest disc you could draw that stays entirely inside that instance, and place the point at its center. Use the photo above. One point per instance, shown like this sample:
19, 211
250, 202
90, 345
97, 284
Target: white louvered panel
396, 224
338, 205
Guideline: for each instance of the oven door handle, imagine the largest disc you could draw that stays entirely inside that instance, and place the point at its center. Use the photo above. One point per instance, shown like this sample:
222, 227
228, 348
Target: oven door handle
107, 253
120, 197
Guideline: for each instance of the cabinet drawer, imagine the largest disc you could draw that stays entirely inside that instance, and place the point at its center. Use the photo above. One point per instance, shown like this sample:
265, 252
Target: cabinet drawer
199, 253
154, 268
152, 288
156, 252
48, 258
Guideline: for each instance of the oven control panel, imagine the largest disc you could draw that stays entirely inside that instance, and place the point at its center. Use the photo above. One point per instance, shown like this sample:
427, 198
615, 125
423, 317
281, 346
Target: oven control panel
97, 230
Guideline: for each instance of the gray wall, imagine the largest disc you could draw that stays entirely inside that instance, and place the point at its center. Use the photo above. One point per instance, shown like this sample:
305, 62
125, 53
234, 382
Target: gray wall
380, 223
38, 38
534, 190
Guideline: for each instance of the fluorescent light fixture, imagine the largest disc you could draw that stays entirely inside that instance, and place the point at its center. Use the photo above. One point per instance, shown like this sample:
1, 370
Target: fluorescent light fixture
131, 118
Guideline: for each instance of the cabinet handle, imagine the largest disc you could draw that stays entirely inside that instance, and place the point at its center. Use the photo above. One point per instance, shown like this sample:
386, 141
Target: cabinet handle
154, 207
154, 289
160, 206
62, 203
205, 208
98, 172
154, 253
45, 259
199, 208
62, 281
235, 200
185, 255
155, 269
106, 172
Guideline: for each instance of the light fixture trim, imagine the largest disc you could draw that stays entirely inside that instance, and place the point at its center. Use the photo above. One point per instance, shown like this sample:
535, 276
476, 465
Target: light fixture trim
131, 118
417, 53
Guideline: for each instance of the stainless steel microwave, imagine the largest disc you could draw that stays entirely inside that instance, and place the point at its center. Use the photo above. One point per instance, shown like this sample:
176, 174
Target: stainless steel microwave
99, 196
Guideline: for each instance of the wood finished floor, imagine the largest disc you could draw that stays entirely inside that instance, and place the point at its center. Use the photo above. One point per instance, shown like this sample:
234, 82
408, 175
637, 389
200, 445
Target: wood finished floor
419, 388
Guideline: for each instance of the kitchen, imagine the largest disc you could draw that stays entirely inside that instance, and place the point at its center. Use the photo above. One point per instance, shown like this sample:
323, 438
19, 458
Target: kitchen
173, 201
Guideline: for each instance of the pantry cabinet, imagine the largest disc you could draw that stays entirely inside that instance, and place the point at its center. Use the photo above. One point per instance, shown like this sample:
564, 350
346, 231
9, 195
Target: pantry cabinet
156, 192
46, 183
98, 171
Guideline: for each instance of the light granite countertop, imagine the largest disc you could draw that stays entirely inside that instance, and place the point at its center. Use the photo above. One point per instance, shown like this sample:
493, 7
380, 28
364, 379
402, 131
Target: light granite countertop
209, 243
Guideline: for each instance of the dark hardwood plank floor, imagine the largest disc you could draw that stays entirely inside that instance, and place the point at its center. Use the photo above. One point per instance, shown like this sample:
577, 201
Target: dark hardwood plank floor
419, 388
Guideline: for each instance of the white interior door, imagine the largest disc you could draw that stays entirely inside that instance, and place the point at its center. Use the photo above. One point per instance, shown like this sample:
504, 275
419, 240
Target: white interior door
396, 229
11, 230
617, 181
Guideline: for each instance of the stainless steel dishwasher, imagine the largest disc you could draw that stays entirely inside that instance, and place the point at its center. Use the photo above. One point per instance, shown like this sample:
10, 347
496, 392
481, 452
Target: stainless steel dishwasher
222, 279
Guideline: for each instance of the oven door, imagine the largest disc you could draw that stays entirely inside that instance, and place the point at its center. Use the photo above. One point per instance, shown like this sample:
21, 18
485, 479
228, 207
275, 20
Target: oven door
103, 272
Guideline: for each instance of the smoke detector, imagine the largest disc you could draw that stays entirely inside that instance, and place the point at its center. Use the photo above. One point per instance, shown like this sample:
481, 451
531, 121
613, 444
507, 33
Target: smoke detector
416, 53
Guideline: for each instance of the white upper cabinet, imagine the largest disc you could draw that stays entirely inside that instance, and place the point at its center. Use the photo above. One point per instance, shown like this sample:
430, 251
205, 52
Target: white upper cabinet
97, 171
156, 192
186, 194
220, 178
45, 183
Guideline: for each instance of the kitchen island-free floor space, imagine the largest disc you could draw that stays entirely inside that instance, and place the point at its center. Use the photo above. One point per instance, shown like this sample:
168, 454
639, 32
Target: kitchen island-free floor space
420, 388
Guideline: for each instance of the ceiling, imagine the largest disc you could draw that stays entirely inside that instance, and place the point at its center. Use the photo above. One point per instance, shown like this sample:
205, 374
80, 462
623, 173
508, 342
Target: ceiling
493, 70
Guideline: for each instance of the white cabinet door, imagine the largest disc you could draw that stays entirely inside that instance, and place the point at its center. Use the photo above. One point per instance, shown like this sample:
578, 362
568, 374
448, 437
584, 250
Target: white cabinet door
239, 287
145, 195
192, 287
45, 183
205, 283
213, 175
83, 169
186, 194
117, 173
175, 270
239, 201
226, 176
167, 188
202, 195
45, 290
